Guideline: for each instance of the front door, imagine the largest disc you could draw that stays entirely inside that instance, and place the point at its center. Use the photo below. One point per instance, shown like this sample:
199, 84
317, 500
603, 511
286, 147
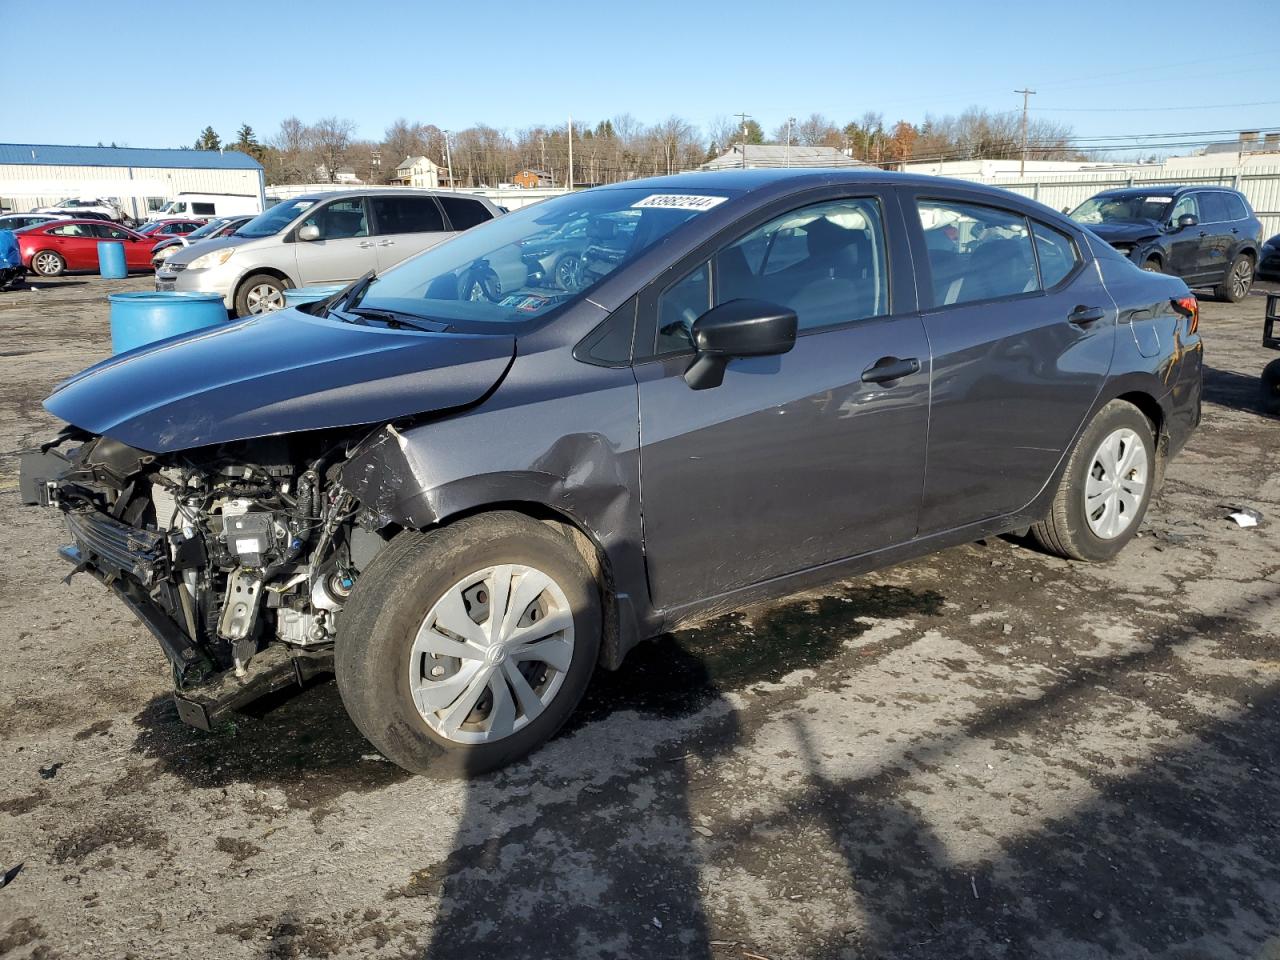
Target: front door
1186, 245
1022, 333
793, 461
345, 249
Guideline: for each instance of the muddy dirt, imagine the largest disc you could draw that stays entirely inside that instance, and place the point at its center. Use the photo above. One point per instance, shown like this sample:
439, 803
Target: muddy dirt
984, 753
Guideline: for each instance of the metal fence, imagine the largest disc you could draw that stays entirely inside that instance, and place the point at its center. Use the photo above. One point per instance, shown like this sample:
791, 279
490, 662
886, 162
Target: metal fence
1260, 184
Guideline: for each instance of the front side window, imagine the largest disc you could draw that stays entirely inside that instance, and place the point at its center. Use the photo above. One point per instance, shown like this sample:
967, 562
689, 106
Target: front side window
1186, 205
464, 214
406, 214
976, 252
1056, 253
1213, 207
340, 220
522, 266
111, 233
680, 304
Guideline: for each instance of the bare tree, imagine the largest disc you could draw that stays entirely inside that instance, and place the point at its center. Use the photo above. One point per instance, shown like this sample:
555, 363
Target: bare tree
330, 139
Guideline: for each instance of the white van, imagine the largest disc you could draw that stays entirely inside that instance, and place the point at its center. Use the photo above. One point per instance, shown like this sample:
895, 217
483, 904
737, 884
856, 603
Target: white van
205, 205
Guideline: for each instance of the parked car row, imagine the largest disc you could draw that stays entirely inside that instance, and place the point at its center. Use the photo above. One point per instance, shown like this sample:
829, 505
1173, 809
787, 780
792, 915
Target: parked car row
1208, 236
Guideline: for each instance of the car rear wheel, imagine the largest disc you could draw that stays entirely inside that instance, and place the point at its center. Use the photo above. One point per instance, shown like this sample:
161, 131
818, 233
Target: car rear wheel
46, 263
463, 648
1270, 388
1153, 265
1103, 494
1235, 285
260, 293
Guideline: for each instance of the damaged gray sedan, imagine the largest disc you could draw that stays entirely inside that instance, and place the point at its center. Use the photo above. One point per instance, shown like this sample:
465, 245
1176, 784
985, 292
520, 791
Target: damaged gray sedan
466, 484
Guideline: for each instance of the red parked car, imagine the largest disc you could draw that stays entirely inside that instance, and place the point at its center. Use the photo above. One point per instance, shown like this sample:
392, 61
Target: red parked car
48, 249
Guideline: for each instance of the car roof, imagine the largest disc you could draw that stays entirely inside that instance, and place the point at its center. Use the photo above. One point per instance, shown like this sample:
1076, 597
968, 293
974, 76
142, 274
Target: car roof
1161, 188
385, 191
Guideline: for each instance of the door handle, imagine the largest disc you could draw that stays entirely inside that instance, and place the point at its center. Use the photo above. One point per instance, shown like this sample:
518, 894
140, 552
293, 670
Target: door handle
386, 243
887, 369
366, 244
1235, 229
1083, 316
1203, 234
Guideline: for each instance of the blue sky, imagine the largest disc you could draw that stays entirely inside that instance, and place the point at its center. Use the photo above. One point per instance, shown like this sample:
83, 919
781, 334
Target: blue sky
1096, 65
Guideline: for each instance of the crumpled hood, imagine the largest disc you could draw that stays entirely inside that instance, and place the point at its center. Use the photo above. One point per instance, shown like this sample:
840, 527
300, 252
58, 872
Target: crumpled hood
1125, 231
279, 373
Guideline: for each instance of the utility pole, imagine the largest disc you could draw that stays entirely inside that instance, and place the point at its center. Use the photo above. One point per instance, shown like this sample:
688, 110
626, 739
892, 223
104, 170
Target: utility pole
743, 118
542, 142
790, 121
571, 154
1022, 167
448, 158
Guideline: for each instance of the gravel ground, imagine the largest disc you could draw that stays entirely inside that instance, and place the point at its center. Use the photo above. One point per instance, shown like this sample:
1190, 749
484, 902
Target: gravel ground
984, 753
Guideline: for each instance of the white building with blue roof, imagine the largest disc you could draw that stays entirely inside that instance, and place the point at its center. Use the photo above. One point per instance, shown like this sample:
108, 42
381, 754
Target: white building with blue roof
138, 180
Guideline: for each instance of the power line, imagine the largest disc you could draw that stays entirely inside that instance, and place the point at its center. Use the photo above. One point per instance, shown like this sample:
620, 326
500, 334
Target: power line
1202, 106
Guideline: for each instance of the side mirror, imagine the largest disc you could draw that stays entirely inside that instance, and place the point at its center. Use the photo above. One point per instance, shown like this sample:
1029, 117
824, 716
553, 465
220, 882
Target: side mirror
1187, 220
739, 328
1066, 210
309, 232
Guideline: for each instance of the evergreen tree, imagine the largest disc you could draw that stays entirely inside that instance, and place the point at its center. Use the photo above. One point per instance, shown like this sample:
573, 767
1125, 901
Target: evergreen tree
208, 140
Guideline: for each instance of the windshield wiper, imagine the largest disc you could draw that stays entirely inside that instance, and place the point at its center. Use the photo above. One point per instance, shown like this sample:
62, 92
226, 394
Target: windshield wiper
396, 320
350, 293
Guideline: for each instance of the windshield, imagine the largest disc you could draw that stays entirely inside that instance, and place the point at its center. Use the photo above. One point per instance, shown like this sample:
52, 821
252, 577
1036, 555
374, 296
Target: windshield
213, 226
1128, 208
525, 264
274, 220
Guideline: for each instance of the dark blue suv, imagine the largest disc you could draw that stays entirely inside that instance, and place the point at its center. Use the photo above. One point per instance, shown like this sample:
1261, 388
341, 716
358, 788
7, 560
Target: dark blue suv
1208, 236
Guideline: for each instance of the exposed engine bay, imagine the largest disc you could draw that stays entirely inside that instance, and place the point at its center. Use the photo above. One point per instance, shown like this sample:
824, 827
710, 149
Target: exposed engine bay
238, 557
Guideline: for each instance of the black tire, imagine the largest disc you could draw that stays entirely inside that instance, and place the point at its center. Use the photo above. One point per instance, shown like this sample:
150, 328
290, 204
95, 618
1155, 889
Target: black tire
394, 595
1153, 264
1270, 388
1066, 531
1237, 281
46, 263
246, 293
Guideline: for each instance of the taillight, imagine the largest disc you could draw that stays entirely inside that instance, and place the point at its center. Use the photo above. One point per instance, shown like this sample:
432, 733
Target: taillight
1189, 307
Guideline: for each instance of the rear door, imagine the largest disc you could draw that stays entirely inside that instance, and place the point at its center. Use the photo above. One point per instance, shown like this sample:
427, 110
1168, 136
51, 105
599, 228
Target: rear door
345, 249
405, 225
1216, 223
1022, 332
76, 243
793, 461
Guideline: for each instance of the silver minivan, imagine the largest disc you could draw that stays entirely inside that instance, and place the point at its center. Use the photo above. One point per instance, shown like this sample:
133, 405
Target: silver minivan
321, 238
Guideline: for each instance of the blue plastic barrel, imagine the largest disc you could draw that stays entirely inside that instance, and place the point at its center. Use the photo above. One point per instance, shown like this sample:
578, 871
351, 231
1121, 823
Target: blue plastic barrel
321, 291
111, 263
141, 318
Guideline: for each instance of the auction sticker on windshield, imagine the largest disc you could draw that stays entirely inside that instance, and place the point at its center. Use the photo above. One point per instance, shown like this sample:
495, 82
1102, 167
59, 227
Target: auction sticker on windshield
679, 201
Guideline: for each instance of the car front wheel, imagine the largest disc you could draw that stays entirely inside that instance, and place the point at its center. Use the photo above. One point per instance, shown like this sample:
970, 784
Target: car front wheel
260, 293
1103, 494
1235, 285
463, 648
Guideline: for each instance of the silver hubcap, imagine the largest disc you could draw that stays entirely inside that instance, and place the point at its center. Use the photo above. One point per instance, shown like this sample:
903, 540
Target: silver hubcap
46, 263
1117, 484
491, 654
1241, 278
264, 298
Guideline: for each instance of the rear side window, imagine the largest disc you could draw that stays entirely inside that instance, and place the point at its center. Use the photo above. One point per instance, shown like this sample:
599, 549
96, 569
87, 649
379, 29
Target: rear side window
976, 252
1236, 206
1056, 252
71, 230
406, 215
465, 214
1213, 207
203, 209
